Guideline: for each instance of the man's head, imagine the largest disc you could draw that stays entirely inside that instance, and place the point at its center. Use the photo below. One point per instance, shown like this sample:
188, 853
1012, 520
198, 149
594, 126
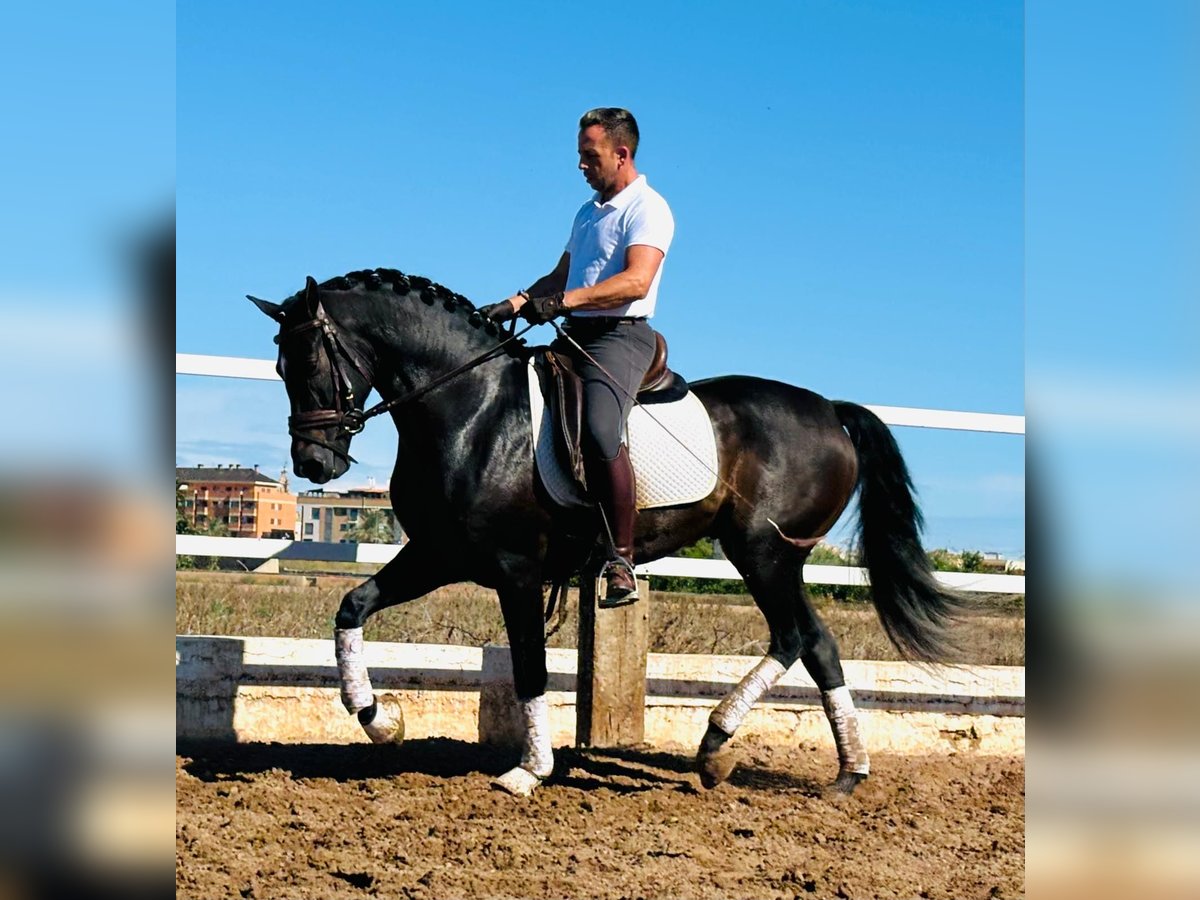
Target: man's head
608, 140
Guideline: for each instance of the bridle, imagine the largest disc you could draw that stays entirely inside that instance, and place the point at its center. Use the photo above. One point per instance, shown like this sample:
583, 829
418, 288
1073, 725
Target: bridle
345, 416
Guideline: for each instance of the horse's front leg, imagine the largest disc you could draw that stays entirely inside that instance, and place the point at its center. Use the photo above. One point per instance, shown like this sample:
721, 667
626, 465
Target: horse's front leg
412, 573
523, 619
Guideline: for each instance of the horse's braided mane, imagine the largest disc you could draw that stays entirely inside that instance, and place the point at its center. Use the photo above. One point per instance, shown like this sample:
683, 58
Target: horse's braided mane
429, 291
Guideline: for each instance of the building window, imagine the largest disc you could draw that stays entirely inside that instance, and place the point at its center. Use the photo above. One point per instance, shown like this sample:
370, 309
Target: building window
308, 529
354, 515
339, 510
316, 514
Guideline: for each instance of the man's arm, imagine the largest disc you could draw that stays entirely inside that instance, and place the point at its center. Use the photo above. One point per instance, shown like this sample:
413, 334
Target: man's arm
633, 283
547, 284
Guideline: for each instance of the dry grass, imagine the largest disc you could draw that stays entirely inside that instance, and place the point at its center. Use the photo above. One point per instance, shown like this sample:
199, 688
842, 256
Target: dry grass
303, 606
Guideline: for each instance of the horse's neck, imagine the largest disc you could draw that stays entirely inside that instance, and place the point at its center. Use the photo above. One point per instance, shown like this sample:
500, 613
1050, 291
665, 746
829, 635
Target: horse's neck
463, 411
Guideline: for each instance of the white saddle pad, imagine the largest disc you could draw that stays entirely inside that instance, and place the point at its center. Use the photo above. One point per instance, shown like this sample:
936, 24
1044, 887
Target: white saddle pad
667, 474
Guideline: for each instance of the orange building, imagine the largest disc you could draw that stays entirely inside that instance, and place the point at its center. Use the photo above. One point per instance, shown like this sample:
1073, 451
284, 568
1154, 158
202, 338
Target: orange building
248, 502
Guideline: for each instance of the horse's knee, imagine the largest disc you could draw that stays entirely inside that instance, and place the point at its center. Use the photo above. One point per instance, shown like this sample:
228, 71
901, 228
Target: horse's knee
357, 606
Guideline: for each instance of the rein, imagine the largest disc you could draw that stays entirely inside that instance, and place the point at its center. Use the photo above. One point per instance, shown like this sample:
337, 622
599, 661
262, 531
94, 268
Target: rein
348, 420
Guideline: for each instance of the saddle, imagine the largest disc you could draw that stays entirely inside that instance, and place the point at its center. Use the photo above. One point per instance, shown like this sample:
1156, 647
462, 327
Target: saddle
563, 392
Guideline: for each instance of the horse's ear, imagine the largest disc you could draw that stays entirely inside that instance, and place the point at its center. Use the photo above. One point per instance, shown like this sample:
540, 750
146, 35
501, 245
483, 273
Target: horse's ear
312, 296
274, 310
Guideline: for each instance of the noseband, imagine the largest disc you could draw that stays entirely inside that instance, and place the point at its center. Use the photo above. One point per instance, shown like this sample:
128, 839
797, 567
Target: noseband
344, 416
348, 419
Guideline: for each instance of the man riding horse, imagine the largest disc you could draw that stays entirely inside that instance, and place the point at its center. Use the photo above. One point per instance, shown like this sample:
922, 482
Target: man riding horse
465, 486
606, 284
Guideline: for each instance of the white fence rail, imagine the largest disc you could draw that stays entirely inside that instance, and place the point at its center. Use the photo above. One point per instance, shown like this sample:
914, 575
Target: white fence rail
263, 548
952, 420
378, 554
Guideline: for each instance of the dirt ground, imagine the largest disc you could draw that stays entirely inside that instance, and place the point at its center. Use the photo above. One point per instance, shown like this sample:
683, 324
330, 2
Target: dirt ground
421, 821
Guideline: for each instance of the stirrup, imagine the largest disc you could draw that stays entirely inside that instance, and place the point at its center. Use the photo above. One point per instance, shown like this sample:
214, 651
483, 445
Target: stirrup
603, 601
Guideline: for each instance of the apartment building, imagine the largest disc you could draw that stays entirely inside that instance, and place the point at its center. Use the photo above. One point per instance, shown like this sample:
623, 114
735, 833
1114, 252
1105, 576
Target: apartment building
248, 502
335, 516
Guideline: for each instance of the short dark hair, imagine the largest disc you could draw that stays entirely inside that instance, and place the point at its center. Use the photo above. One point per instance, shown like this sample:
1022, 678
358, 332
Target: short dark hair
619, 124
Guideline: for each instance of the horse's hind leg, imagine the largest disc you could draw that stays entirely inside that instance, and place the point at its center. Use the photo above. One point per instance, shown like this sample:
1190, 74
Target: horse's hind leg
412, 573
775, 578
823, 662
774, 581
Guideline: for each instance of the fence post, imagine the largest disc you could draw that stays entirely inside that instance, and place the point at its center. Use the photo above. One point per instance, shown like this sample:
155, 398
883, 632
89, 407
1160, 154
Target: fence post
611, 688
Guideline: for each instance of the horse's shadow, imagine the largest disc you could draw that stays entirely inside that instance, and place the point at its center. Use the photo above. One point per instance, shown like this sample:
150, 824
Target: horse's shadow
621, 770
439, 757
602, 767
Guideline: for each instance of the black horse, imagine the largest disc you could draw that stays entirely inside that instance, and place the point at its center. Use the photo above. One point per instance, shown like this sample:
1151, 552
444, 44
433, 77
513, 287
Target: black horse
467, 493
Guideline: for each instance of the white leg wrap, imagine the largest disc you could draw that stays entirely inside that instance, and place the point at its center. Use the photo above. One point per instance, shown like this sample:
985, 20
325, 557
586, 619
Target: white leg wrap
352, 669
733, 709
538, 757
843, 719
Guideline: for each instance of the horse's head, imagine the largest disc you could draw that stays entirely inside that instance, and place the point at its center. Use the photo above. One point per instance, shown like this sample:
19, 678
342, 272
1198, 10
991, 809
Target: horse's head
327, 381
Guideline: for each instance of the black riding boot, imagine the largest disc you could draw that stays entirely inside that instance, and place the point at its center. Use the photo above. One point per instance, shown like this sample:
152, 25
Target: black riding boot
612, 486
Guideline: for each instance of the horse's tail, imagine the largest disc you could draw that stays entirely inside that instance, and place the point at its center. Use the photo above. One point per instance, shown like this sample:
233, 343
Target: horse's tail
915, 610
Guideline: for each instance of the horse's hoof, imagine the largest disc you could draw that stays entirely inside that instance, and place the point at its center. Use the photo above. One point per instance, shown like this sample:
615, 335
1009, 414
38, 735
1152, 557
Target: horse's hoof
715, 767
383, 721
845, 783
518, 782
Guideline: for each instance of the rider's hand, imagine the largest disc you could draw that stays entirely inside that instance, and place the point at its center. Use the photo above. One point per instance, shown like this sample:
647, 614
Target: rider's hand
498, 312
542, 309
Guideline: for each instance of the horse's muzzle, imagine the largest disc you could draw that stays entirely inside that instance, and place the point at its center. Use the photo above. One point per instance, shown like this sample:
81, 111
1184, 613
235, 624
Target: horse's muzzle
313, 470
317, 463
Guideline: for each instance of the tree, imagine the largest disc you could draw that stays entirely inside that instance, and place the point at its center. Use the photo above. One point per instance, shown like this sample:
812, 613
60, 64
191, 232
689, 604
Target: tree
972, 560
213, 528
182, 525
374, 527
702, 549
824, 555
945, 561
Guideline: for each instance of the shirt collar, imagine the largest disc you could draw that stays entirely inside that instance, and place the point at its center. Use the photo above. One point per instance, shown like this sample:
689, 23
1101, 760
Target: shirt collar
625, 197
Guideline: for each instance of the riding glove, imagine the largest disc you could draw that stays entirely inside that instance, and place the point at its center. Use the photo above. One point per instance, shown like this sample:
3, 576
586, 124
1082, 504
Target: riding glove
498, 312
542, 309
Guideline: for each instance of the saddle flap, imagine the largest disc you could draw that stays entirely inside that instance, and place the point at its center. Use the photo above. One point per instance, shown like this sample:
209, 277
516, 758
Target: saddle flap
564, 395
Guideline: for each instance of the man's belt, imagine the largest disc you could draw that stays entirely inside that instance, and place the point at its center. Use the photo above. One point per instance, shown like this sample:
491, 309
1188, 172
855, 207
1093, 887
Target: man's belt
585, 321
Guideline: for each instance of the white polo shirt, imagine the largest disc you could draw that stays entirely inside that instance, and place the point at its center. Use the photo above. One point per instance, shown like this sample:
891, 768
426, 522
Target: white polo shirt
601, 234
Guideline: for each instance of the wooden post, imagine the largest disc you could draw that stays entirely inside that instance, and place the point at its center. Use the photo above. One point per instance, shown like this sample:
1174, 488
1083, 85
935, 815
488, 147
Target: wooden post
611, 687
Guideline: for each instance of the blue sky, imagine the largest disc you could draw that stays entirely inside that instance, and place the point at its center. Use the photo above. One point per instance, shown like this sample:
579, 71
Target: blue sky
846, 180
